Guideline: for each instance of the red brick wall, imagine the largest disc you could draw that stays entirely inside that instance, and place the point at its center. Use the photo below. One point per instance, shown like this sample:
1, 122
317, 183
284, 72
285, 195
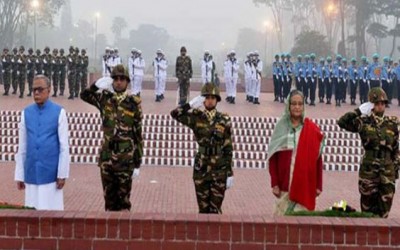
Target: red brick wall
92, 230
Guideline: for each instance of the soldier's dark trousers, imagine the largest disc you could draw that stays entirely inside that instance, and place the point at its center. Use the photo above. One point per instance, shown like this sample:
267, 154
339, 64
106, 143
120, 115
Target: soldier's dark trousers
281, 83
398, 91
276, 87
210, 194
298, 84
376, 197
344, 89
183, 91
338, 91
48, 74
286, 87
117, 187
62, 82
6, 81
321, 89
313, 88
83, 81
374, 83
304, 88
353, 90
328, 87
71, 83
364, 89
78, 84
386, 88
21, 84
14, 82
30, 81
55, 82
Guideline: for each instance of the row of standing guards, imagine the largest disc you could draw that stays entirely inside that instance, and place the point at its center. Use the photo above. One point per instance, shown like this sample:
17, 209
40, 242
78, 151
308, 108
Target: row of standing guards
335, 78
18, 67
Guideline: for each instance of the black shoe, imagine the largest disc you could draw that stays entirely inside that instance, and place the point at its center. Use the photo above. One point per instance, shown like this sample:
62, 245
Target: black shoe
54, 95
282, 101
312, 104
227, 98
251, 99
71, 97
14, 92
61, 93
233, 100
162, 96
256, 101
387, 105
76, 95
6, 93
21, 95
344, 101
29, 94
138, 94
276, 99
306, 100
158, 99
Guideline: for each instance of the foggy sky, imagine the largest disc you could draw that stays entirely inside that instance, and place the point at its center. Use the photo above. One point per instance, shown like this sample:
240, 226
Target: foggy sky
212, 21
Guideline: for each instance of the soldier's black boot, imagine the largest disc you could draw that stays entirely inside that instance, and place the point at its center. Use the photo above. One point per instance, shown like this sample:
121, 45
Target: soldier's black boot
5, 93
138, 94
251, 99
158, 98
276, 99
71, 97
233, 100
55, 94
29, 94
312, 103
256, 101
61, 93
21, 95
162, 96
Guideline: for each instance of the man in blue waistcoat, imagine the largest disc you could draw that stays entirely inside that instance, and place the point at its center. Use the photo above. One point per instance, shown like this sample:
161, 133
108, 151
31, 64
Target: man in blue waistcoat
42, 161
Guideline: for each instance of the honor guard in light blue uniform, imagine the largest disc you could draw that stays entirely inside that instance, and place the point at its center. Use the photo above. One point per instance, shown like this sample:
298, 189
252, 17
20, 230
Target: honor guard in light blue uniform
298, 68
312, 78
397, 80
276, 78
328, 79
363, 79
284, 77
321, 77
306, 81
345, 77
353, 80
337, 72
374, 72
385, 80
289, 68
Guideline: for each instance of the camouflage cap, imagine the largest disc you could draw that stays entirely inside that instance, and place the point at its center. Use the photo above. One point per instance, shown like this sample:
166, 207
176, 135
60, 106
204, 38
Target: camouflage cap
211, 89
377, 94
22, 48
5, 49
30, 50
120, 70
38, 51
71, 48
15, 49
61, 50
47, 48
76, 49
83, 51
55, 50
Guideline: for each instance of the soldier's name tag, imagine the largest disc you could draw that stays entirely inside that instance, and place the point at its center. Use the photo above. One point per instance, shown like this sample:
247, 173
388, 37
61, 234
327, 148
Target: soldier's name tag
128, 113
220, 128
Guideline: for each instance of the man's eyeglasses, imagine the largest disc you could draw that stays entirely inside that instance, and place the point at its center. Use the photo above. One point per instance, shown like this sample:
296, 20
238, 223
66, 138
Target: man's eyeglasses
39, 89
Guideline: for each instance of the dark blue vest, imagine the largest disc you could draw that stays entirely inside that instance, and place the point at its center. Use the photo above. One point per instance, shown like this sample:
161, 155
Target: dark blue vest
43, 147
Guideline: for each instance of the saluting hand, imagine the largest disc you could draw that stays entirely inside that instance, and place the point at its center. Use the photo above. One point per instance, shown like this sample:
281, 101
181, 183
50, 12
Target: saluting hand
60, 183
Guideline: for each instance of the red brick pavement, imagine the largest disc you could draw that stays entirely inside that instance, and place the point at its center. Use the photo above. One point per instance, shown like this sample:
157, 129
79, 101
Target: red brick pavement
170, 190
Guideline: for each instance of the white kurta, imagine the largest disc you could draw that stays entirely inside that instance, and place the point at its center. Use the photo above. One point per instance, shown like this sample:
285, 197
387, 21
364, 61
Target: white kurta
44, 196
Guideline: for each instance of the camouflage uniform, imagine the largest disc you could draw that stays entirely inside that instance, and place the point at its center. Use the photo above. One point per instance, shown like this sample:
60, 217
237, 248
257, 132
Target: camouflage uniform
71, 63
183, 72
63, 65
122, 148
213, 161
38, 63
14, 70
7, 68
46, 60
55, 71
30, 67
379, 167
21, 71
84, 69
78, 71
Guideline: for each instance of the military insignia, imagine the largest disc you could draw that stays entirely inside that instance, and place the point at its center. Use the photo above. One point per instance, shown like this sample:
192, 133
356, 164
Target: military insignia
220, 128
377, 71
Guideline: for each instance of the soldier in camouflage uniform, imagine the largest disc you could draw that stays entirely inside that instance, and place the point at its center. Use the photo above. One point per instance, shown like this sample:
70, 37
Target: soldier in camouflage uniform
212, 173
21, 73
71, 64
14, 70
30, 67
122, 149
183, 72
83, 66
78, 72
63, 66
6, 62
46, 61
55, 71
380, 165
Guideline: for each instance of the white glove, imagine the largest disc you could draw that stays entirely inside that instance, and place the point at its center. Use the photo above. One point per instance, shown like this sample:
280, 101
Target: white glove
306, 79
229, 182
298, 79
312, 80
366, 108
105, 83
287, 78
136, 173
197, 102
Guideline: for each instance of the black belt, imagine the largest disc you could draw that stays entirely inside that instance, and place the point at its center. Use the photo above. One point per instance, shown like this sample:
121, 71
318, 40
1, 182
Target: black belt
382, 154
210, 150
